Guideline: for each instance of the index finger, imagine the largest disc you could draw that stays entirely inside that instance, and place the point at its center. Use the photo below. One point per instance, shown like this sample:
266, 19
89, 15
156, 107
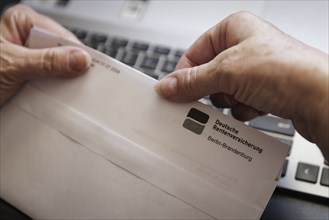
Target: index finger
227, 33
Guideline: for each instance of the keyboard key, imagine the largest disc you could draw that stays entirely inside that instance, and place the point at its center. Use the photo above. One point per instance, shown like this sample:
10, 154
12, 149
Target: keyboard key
119, 42
110, 51
129, 58
169, 66
149, 72
284, 168
161, 50
150, 62
307, 172
325, 177
62, 3
80, 34
273, 124
140, 46
153, 76
92, 44
179, 53
100, 38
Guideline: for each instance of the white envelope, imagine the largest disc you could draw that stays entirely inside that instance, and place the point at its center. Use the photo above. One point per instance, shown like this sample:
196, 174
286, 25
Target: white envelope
105, 145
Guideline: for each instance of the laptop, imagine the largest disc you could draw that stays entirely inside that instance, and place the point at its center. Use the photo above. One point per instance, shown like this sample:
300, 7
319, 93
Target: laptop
151, 36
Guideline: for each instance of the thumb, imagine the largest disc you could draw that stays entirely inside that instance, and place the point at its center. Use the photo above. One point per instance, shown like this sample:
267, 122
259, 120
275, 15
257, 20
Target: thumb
189, 84
57, 61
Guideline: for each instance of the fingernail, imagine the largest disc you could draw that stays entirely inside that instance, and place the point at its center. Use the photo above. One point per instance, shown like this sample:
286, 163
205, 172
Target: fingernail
79, 60
167, 87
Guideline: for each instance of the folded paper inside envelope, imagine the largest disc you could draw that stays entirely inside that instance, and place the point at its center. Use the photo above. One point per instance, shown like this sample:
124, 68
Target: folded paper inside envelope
105, 145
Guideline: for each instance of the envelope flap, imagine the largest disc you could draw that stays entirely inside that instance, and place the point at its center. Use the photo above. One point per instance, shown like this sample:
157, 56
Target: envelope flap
134, 159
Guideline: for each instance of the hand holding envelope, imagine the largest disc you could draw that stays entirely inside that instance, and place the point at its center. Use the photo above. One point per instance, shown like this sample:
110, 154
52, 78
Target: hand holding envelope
91, 154
19, 64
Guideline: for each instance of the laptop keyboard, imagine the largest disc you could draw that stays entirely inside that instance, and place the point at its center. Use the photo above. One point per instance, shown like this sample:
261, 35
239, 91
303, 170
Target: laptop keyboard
154, 60
159, 60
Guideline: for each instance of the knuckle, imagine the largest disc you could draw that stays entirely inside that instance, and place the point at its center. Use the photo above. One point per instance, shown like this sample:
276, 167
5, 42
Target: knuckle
17, 21
9, 14
241, 23
49, 61
225, 64
15, 11
243, 14
226, 68
190, 79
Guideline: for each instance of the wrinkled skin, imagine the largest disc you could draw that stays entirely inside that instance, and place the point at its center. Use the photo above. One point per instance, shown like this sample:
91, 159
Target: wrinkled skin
247, 64
19, 64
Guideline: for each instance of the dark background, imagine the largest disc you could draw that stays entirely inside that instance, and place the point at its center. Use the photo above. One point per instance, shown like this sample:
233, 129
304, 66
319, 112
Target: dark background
7, 3
283, 205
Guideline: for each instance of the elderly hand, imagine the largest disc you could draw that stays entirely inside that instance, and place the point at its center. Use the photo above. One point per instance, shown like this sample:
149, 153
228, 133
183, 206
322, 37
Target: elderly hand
250, 66
19, 64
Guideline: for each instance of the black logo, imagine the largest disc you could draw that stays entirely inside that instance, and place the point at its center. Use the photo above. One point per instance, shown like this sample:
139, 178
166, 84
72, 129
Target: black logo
196, 121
